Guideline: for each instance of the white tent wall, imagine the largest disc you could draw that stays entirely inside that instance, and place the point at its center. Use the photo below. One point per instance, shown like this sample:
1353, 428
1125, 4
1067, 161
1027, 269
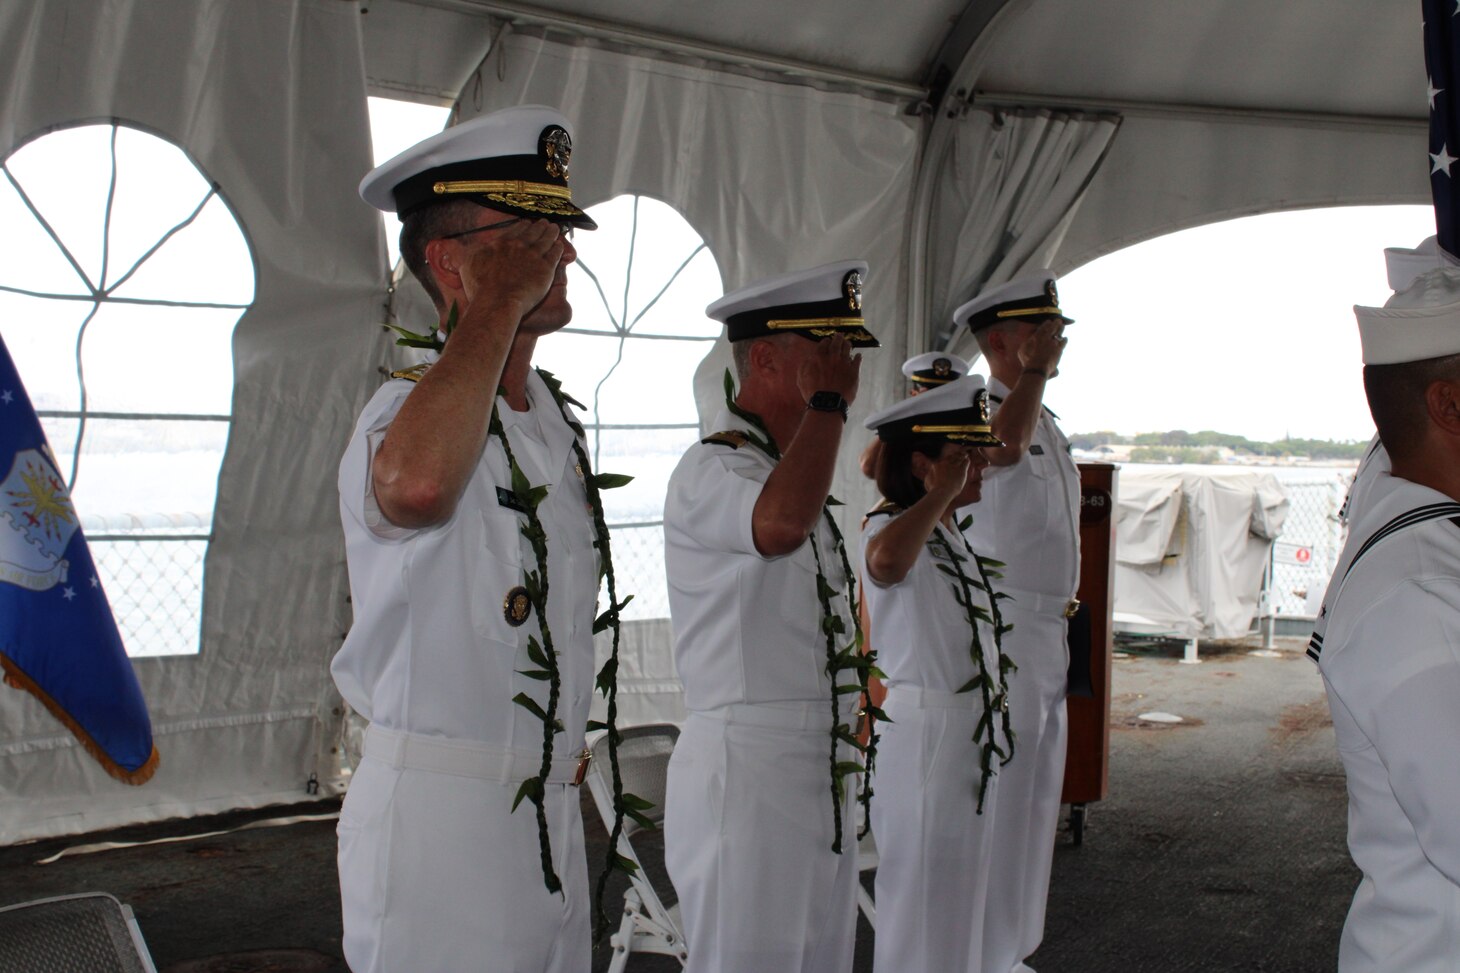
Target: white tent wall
268, 98
1010, 185
1168, 172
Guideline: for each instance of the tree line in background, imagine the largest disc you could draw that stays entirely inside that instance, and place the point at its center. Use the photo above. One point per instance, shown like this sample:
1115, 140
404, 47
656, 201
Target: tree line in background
1180, 446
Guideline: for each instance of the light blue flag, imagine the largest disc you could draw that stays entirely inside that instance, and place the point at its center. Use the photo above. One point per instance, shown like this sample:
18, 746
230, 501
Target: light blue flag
58, 638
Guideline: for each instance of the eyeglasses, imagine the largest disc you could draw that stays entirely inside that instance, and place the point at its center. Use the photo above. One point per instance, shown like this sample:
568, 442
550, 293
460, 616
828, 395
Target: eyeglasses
564, 229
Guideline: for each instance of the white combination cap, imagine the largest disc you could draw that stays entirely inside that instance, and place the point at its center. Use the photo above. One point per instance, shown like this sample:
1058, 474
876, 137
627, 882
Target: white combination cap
1419, 322
1034, 296
815, 304
934, 368
957, 412
515, 160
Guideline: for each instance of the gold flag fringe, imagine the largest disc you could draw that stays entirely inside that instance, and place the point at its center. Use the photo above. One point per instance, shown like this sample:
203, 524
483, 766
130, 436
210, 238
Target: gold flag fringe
15, 676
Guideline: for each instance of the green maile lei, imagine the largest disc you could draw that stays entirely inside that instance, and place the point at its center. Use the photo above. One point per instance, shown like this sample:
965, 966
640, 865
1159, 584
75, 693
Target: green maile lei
995, 692
542, 653
848, 657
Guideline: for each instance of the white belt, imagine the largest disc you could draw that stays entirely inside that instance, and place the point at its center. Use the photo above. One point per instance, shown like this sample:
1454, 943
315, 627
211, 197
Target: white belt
806, 717
465, 758
1033, 601
913, 697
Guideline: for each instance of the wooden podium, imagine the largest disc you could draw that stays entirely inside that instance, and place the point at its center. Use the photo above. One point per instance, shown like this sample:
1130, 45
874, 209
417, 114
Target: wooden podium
1087, 761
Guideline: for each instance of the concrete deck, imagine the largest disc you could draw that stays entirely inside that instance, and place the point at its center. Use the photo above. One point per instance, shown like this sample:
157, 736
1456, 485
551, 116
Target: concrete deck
1220, 847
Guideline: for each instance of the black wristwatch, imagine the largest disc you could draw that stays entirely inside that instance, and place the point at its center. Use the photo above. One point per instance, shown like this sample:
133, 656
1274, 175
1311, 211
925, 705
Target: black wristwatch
828, 402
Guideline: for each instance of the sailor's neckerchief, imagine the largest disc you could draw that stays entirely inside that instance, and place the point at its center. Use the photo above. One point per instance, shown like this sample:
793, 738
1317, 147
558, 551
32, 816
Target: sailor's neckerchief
543, 654
850, 656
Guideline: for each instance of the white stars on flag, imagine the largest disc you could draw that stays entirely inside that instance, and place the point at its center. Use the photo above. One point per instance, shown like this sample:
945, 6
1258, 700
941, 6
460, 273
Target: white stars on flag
1442, 161
69, 594
7, 396
1433, 90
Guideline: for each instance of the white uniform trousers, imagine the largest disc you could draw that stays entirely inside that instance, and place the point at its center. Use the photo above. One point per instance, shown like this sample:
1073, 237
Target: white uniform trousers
438, 875
747, 842
933, 848
1027, 812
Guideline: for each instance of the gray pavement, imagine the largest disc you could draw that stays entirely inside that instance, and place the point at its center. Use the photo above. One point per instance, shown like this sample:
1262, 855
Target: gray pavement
1220, 847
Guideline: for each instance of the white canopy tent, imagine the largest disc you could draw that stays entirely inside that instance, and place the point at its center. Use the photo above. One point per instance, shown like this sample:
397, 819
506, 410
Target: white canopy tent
953, 144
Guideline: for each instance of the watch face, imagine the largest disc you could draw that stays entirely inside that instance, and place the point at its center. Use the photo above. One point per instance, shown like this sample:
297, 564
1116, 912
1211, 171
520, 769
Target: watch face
827, 401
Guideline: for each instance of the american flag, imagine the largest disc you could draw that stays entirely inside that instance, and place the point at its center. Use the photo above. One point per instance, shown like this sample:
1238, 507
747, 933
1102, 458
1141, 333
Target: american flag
1442, 55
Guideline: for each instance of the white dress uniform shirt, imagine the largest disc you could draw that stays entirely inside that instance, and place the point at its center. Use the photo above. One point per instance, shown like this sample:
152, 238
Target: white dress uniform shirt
749, 814
436, 871
1390, 661
933, 845
1374, 464
1029, 518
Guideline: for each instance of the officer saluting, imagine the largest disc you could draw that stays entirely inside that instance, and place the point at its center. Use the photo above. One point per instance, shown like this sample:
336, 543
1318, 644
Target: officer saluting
924, 372
759, 829
454, 606
1389, 642
1029, 518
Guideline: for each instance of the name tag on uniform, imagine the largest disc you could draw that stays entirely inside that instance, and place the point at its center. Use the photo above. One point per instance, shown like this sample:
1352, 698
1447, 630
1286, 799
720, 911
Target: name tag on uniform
1036, 450
510, 500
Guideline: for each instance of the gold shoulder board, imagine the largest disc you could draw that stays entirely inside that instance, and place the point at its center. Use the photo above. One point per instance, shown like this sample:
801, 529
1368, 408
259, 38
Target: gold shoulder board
733, 438
885, 507
412, 374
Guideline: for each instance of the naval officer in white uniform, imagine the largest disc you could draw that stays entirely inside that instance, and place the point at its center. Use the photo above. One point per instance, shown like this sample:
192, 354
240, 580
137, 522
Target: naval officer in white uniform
437, 873
759, 593
934, 621
1029, 519
924, 372
1390, 654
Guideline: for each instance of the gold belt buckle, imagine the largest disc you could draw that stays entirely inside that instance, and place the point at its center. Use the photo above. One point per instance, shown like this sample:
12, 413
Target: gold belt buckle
1072, 607
584, 759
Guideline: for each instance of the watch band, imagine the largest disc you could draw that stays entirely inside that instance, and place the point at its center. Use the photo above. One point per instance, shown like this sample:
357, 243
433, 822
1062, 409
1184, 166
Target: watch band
826, 401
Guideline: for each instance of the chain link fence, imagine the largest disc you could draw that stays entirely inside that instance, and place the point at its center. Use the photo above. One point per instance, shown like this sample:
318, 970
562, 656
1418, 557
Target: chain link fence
638, 568
151, 568
1312, 539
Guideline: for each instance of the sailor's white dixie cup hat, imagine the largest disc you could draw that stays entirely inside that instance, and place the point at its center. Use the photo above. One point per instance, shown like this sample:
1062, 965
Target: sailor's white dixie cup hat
515, 160
1419, 322
1032, 297
1403, 265
815, 304
957, 412
934, 368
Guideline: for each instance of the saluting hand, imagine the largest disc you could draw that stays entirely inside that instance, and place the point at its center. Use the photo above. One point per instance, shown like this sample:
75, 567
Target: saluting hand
1044, 346
513, 266
948, 473
831, 367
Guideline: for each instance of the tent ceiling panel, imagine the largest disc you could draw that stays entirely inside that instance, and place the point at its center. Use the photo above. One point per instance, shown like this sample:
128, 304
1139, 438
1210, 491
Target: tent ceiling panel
1347, 57
421, 52
1167, 174
839, 36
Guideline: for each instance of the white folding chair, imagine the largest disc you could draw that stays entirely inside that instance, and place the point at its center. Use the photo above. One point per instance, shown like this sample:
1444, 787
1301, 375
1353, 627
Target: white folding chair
643, 759
92, 932
867, 862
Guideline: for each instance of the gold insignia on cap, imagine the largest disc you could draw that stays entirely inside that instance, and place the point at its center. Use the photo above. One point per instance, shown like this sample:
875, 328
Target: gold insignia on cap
942, 367
852, 285
982, 402
516, 606
1051, 293
556, 148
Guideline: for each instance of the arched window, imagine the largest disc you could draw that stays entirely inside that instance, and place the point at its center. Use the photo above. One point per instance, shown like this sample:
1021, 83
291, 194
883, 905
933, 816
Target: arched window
122, 276
639, 291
